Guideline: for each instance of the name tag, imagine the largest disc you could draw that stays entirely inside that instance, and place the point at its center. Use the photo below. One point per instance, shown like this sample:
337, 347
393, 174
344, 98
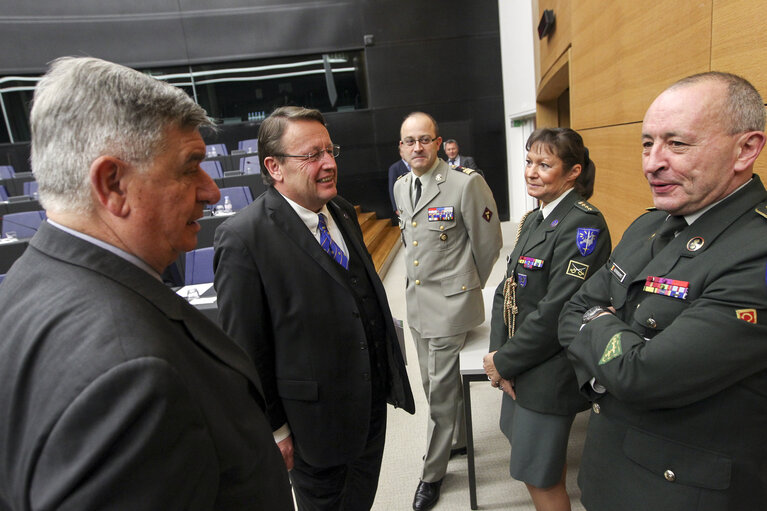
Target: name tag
440, 214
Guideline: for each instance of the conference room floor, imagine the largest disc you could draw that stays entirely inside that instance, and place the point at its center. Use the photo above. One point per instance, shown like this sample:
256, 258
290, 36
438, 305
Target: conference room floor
406, 434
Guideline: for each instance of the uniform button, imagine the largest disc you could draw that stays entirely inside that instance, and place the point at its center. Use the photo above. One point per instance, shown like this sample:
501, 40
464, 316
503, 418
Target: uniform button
596, 408
354, 281
638, 305
415, 243
463, 288
441, 227
417, 282
651, 323
669, 475
363, 346
415, 263
366, 376
415, 224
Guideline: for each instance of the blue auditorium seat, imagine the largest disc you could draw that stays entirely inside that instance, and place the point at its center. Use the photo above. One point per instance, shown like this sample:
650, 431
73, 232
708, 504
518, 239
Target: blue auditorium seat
3, 193
240, 197
30, 187
213, 168
250, 165
24, 224
198, 268
216, 150
249, 146
7, 172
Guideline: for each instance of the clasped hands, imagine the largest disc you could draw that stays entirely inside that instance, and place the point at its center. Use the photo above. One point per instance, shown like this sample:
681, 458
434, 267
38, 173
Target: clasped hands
496, 380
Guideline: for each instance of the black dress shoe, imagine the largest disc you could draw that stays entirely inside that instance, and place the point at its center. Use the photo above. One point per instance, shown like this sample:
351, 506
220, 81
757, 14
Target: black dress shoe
458, 451
426, 495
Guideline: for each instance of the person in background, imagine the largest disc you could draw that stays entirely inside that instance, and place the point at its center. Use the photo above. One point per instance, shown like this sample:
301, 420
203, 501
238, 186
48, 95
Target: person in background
397, 169
456, 160
297, 289
452, 238
669, 339
115, 393
559, 245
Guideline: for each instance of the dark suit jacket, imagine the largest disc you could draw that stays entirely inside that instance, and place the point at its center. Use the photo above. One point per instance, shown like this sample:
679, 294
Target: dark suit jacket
682, 424
396, 170
286, 302
544, 379
117, 394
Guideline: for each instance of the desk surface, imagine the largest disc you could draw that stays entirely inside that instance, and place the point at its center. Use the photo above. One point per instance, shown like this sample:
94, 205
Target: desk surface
478, 339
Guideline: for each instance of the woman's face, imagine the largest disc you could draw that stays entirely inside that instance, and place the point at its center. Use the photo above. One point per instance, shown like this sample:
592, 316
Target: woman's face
545, 176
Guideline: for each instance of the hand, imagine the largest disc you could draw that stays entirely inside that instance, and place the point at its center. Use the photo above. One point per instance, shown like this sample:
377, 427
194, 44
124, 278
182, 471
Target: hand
492, 373
508, 387
286, 448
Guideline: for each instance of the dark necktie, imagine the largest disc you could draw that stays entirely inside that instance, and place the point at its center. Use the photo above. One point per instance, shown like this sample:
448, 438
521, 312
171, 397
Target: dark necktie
666, 233
329, 245
452, 163
417, 192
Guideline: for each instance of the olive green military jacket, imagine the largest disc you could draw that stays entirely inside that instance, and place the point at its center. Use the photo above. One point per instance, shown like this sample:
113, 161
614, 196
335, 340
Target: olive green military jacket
451, 240
549, 263
683, 421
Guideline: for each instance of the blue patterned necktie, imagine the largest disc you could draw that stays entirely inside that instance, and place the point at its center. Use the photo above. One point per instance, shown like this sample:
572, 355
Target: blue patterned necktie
329, 245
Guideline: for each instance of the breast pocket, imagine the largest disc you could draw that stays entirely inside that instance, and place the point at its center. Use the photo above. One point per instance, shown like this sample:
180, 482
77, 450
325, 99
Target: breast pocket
442, 234
655, 312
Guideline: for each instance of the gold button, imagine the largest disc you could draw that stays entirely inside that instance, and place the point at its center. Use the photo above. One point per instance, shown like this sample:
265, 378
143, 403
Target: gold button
596, 408
463, 288
441, 227
415, 243
417, 282
415, 263
415, 223
651, 323
669, 475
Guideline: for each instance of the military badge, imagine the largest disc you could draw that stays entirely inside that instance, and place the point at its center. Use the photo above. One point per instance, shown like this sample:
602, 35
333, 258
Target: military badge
617, 271
695, 244
441, 214
522, 279
613, 349
587, 240
667, 287
577, 270
747, 315
554, 223
487, 215
530, 262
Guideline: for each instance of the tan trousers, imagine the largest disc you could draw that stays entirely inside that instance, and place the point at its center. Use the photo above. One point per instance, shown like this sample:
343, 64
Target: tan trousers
441, 378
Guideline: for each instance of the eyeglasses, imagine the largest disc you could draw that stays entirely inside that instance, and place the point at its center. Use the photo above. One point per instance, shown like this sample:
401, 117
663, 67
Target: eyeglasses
424, 140
313, 157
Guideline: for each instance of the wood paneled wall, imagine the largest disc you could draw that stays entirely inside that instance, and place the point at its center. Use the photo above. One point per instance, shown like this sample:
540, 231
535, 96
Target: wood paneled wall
618, 56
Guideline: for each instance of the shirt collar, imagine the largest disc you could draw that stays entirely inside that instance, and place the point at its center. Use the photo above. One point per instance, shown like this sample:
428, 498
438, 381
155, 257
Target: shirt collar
548, 208
694, 216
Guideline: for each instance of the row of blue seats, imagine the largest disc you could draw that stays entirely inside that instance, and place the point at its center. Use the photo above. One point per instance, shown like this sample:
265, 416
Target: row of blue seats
248, 165
249, 146
30, 188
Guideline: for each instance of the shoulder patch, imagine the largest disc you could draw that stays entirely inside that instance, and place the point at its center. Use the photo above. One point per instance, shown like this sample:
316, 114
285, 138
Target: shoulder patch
762, 209
585, 206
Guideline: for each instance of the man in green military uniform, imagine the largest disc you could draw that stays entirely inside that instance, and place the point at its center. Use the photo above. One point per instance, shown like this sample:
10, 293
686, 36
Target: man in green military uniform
452, 238
669, 338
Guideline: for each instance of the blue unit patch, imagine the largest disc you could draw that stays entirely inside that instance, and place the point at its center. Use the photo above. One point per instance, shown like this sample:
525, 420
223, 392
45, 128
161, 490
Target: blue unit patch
587, 240
441, 214
522, 278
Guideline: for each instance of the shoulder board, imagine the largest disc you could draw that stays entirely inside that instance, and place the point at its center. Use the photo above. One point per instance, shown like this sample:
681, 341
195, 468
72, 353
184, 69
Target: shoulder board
651, 208
466, 170
585, 206
403, 175
762, 209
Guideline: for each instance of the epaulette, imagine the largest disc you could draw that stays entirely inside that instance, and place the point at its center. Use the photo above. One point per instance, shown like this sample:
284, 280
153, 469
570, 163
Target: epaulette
651, 208
585, 206
466, 170
403, 175
762, 209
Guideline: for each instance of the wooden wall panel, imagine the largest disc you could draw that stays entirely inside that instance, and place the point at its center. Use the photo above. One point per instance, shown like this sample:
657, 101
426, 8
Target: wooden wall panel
739, 40
621, 191
552, 47
624, 53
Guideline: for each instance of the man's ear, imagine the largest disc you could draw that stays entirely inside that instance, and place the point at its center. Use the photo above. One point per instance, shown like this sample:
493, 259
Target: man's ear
274, 168
749, 147
108, 177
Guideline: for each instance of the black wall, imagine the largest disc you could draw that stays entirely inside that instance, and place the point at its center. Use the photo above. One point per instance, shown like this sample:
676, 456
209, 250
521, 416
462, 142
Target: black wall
439, 57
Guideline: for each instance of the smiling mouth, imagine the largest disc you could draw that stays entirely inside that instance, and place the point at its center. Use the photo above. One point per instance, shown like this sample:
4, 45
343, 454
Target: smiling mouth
328, 179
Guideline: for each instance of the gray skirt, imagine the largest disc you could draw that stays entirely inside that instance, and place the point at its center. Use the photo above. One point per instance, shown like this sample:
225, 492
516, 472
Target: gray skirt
538, 443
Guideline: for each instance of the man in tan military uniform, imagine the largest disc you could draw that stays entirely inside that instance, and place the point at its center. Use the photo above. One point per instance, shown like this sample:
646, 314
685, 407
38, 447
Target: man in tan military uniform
452, 238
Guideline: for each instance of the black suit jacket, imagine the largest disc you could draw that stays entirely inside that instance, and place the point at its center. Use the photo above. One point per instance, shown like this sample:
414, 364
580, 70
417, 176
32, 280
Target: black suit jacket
396, 170
117, 394
288, 304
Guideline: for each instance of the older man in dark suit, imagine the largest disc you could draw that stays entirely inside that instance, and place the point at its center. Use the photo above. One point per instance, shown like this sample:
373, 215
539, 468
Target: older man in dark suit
297, 289
669, 338
114, 392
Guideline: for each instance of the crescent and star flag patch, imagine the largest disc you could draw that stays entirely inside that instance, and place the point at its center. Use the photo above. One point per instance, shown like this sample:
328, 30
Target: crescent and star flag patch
487, 214
587, 240
613, 349
667, 287
747, 315
577, 270
441, 214
530, 262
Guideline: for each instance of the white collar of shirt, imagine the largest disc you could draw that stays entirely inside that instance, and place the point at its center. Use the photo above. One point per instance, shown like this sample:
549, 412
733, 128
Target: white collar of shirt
111, 248
694, 216
548, 208
423, 177
311, 220
407, 165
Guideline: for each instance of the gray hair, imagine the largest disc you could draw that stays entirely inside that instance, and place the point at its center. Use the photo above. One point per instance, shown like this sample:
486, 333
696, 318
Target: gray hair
84, 108
743, 106
448, 141
273, 128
